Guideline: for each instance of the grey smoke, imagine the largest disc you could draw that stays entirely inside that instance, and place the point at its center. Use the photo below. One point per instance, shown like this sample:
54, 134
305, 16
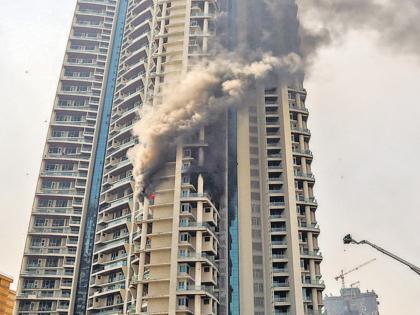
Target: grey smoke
395, 23
266, 48
194, 101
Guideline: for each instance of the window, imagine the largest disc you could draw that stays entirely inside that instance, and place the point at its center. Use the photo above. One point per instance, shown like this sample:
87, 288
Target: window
48, 284
112, 277
45, 306
61, 203
29, 284
71, 150
76, 118
184, 237
64, 185
58, 222
185, 207
207, 210
184, 268
206, 301
109, 300
73, 134
183, 253
207, 239
79, 103
51, 262
207, 269
187, 153
57, 134
114, 255
48, 184
36, 242
182, 285
40, 222
43, 203
185, 179
54, 242
51, 167
54, 150
183, 301
185, 193
116, 234
184, 222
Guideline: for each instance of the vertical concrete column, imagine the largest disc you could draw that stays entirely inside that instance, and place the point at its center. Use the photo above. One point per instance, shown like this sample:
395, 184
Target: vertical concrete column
142, 257
200, 185
175, 233
205, 27
295, 278
198, 265
198, 246
302, 142
201, 149
300, 120
160, 48
304, 166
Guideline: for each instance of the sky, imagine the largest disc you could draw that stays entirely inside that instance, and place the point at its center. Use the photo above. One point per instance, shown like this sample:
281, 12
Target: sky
364, 118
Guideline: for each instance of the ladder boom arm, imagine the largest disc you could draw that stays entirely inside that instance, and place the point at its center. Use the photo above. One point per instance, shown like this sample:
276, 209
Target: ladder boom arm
389, 254
348, 240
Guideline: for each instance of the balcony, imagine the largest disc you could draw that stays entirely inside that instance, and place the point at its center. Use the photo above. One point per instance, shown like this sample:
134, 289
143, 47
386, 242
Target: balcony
305, 176
50, 251
277, 204
304, 131
281, 300
53, 230
309, 201
277, 285
311, 254
281, 229
311, 227
301, 109
279, 256
197, 257
304, 152
55, 210
69, 191
313, 283
191, 289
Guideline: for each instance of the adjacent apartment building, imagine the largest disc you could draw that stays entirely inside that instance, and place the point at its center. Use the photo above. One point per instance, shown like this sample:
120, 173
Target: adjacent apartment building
228, 225
7, 296
352, 302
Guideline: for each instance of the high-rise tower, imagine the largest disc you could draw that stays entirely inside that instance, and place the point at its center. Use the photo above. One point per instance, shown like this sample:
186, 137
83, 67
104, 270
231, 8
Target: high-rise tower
226, 224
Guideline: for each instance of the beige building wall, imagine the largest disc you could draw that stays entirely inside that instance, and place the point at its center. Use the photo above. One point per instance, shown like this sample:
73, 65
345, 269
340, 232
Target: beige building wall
278, 252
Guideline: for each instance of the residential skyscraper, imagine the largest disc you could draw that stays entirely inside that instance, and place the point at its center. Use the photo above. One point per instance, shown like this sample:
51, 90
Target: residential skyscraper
227, 223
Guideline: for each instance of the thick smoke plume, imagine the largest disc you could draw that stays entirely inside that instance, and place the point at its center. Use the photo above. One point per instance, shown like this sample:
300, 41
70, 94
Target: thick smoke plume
396, 23
266, 48
268, 44
197, 100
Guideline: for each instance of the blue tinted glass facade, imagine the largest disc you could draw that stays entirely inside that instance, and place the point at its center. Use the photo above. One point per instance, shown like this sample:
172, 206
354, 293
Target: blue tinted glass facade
95, 189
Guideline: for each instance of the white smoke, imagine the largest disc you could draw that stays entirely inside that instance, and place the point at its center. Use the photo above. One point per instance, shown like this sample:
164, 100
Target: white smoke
197, 99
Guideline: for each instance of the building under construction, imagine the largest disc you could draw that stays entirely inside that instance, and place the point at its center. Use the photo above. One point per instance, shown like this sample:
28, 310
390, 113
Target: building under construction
352, 302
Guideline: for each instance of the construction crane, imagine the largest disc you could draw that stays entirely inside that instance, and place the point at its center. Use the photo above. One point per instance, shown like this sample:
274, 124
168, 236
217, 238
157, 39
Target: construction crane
343, 274
349, 240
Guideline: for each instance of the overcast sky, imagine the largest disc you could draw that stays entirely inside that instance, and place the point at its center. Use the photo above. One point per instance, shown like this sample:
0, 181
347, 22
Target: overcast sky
365, 114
